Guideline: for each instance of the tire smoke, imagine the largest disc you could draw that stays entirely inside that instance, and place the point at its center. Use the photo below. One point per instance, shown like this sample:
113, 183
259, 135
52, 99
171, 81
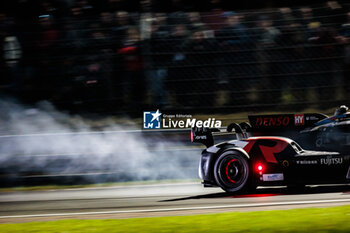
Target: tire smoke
43, 141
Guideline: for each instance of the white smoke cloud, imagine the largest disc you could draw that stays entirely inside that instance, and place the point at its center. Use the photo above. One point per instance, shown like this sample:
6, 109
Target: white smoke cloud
43, 140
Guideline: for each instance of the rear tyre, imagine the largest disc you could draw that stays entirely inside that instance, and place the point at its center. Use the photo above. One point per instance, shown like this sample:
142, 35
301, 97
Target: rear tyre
231, 171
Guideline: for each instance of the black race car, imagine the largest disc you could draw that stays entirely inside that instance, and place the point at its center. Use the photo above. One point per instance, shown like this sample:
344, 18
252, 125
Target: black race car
248, 162
313, 131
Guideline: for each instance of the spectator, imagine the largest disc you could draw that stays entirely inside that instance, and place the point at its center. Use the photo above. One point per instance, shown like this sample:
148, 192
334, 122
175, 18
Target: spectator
197, 50
106, 20
98, 65
289, 65
161, 58
195, 23
234, 33
267, 37
146, 6
47, 49
323, 61
122, 22
179, 36
344, 39
133, 72
286, 16
12, 55
213, 19
306, 16
47, 8
336, 14
85, 7
268, 33
236, 46
4, 80
81, 55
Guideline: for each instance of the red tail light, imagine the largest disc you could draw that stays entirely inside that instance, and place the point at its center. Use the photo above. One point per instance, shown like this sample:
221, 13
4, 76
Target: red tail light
260, 167
191, 136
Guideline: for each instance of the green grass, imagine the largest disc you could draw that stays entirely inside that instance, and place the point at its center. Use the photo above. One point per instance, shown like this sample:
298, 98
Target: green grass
335, 219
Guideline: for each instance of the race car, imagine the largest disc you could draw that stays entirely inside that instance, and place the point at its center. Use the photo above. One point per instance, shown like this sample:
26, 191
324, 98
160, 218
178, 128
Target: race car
247, 162
313, 131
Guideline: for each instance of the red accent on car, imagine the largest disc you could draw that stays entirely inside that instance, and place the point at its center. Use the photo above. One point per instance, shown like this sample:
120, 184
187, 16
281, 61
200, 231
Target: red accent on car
228, 164
249, 146
269, 152
191, 136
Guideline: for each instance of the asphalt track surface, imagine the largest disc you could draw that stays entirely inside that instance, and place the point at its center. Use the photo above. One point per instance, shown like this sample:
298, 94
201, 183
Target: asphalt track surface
158, 200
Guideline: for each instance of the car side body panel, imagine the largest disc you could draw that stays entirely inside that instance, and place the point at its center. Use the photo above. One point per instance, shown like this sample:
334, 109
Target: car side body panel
283, 161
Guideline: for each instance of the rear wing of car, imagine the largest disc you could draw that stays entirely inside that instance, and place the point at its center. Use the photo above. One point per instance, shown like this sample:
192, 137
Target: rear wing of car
259, 125
285, 121
206, 135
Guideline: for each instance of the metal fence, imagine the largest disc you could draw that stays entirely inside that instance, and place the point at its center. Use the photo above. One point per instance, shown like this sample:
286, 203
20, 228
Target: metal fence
228, 61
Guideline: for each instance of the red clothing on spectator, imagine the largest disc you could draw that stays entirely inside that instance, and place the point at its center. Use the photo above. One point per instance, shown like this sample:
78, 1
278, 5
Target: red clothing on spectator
133, 60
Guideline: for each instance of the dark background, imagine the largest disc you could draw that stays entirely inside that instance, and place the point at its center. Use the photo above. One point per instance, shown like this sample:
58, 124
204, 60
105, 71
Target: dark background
122, 56
32, 7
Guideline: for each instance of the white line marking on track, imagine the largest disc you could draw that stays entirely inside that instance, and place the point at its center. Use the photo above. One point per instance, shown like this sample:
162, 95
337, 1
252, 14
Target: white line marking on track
180, 209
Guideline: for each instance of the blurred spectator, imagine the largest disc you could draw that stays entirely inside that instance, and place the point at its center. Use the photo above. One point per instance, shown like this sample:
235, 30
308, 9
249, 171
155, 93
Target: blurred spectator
325, 57
106, 20
48, 35
286, 16
234, 33
4, 77
85, 7
47, 49
214, 19
179, 36
133, 79
268, 33
344, 39
122, 22
193, 90
344, 32
146, 5
12, 56
92, 52
306, 16
236, 46
119, 35
161, 57
288, 65
195, 23
336, 14
98, 66
47, 8
267, 38
309, 22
